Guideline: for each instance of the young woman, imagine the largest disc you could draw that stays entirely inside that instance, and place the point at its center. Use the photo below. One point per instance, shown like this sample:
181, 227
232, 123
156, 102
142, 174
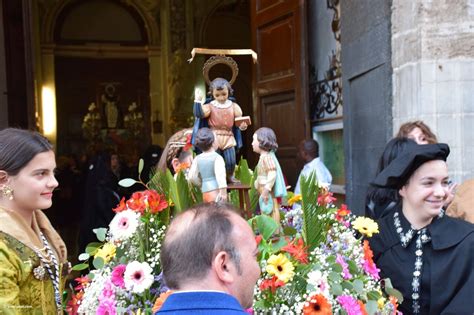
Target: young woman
381, 201
426, 254
177, 155
32, 255
418, 131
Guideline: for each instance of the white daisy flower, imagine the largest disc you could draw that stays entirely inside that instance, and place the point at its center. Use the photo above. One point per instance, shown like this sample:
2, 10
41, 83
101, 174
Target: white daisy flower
123, 225
138, 277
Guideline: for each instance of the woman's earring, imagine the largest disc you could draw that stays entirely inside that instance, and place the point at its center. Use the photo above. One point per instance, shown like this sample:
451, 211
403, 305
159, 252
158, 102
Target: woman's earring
7, 192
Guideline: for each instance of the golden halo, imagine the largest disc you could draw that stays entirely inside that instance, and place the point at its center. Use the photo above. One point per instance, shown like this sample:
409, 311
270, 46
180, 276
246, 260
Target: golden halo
214, 60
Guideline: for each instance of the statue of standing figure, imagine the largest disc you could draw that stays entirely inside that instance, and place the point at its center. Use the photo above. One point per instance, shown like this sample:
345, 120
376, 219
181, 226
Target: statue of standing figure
110, 102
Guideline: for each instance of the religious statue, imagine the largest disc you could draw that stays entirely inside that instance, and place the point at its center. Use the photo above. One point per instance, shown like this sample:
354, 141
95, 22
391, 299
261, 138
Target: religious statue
221, 114
269, 183
110, 103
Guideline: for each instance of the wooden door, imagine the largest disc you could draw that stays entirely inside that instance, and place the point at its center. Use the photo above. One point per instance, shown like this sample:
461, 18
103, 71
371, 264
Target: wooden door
279, 38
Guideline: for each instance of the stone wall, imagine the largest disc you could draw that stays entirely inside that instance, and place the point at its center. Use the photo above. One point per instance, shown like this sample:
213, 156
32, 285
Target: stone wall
433, 73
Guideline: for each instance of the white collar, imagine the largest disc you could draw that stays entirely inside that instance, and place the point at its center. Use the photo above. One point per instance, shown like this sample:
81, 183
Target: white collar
226, 104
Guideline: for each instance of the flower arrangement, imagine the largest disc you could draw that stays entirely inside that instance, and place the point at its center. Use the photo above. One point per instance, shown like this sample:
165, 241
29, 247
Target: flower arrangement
91, 123
317, 261
126, 260
133, 120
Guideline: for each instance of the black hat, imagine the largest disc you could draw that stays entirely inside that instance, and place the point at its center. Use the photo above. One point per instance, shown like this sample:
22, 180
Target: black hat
397, 173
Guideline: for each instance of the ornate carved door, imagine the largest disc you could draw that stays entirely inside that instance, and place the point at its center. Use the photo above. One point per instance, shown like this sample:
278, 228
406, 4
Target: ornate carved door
279, 38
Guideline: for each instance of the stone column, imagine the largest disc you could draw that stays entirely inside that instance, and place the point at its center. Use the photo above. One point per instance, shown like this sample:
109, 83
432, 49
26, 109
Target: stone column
433, 73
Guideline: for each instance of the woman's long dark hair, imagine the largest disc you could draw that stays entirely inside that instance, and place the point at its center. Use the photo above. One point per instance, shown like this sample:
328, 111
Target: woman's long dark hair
18, 147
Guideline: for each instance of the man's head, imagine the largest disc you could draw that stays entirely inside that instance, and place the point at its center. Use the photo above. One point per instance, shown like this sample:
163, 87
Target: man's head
309, 150
210, 247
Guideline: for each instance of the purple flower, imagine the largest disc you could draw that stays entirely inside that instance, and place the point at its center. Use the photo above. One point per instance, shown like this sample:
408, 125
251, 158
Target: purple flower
345, 267
349, 304
371, 269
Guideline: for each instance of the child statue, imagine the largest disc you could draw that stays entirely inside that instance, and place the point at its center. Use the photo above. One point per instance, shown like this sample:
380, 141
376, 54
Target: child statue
219, 114
208, 168
269, 183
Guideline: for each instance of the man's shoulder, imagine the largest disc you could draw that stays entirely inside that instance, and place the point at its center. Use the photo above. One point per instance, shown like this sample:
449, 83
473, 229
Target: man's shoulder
201, 302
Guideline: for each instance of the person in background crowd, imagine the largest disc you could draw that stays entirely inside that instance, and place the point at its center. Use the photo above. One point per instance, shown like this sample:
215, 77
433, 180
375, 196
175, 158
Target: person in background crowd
426, 254
462, 206
309, 152
32, 254
418, 131
209, 259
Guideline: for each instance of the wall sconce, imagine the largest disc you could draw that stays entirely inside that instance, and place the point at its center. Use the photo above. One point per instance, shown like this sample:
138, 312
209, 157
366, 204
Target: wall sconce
48, 112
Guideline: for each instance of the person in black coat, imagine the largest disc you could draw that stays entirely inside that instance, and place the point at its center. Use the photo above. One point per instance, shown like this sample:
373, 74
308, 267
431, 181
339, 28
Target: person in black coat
428, 256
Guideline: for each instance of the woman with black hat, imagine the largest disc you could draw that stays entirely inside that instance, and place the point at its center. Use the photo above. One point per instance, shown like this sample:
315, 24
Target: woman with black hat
427, 255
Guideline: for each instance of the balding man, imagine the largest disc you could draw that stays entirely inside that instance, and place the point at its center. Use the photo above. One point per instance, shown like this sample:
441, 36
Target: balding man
209, 258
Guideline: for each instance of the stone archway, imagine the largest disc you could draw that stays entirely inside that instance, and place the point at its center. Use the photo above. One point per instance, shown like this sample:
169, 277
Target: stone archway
144, 13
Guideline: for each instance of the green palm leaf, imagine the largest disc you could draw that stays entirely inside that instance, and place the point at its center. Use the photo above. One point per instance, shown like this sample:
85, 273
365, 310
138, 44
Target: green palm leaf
312, 227
179, 192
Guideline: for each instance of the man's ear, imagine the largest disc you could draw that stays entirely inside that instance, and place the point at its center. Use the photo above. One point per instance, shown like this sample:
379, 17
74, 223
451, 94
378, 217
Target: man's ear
223, 267
175, 164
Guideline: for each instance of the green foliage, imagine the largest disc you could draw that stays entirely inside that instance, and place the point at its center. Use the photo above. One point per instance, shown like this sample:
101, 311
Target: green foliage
127, 182
80, 267
312, 226
100, 233
265, 225
141, 164
243, 173
179, 192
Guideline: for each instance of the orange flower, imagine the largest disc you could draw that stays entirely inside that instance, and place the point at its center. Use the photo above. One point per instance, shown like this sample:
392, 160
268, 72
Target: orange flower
342, 212
325, 198
362, 308
160, 300
182, 166
188, 144
156, 202
81, 283
73, 304
121, 206
258, 239
136, 202
317, 305
272, 284
368, 254
297, 250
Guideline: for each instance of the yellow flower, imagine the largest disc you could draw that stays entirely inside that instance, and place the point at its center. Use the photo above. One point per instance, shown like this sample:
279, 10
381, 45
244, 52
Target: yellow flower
294, 199
381, 302
365, 226
107, 252
281, 267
